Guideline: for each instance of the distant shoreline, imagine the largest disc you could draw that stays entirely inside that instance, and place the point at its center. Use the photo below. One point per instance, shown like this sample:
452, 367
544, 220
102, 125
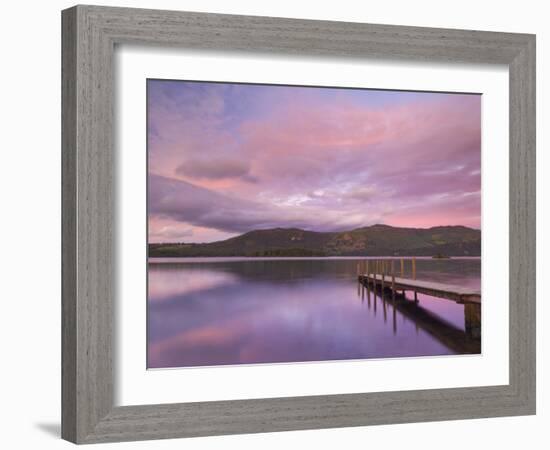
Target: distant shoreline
375, 241
161, 259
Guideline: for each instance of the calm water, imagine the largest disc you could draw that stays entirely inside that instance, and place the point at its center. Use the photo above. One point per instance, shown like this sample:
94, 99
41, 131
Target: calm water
214, 311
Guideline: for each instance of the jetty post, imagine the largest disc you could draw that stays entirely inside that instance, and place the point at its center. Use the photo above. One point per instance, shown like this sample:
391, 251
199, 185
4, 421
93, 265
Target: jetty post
472, 320
414, 277
368, 289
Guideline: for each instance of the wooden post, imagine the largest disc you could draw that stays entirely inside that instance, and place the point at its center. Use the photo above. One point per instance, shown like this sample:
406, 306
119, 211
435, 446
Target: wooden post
367, 267
414, 267
415, 297
383, 279
394, 317
402, 268
393, 286
368, 294
472, 320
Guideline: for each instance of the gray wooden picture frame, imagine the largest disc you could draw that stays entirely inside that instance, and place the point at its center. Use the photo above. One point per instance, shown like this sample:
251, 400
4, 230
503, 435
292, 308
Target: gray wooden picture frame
90, 34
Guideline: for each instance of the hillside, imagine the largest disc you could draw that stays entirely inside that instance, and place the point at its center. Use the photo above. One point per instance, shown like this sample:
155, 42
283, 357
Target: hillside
375, 240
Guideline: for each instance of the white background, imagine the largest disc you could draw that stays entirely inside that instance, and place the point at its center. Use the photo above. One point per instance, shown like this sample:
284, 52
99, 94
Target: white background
135, 386
30, 225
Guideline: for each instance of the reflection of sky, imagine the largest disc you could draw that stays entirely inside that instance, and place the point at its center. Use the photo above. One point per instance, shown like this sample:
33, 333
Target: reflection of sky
165, 283
280, 311
228, 158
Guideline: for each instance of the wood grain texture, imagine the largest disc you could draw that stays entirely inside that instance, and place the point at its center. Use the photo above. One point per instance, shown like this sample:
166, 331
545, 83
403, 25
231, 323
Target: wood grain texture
88, 209
68, 226
89, 36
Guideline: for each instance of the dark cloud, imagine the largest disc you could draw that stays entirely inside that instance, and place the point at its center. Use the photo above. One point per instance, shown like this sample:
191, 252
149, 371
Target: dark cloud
182, 201
215, 169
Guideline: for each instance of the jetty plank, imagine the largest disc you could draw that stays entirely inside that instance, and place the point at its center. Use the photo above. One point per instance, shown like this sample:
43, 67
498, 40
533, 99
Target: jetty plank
459, 294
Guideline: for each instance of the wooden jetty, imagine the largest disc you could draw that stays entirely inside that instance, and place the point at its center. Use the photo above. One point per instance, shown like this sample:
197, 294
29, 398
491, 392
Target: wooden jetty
380, 276
381, 273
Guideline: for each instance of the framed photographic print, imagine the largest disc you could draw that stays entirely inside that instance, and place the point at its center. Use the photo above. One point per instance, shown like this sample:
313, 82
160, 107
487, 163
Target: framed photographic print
262, 200
268, 222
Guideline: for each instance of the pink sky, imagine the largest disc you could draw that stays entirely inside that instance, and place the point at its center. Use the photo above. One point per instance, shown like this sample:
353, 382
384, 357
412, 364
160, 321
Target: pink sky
228, 158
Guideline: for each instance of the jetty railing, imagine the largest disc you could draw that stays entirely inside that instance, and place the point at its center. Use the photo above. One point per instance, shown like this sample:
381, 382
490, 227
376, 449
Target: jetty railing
381, 273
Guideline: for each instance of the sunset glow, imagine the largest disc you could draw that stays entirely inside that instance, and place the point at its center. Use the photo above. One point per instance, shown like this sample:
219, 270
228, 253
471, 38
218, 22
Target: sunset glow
224, 159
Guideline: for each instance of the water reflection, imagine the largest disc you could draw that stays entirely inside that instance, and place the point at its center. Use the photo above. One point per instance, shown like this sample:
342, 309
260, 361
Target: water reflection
244, 311
460, 340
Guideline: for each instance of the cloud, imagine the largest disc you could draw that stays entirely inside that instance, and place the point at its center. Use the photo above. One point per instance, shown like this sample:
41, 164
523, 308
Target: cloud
231, 158
215, 169
183, 202
166, 230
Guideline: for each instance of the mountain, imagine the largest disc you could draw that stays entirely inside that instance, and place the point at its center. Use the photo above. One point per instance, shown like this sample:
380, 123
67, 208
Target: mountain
375, 240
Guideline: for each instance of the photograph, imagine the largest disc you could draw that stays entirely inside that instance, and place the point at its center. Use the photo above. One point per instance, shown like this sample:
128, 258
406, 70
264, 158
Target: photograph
265, 225
295, 223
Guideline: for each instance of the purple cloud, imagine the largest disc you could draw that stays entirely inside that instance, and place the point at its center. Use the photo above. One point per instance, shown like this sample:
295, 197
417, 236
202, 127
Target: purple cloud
225, 159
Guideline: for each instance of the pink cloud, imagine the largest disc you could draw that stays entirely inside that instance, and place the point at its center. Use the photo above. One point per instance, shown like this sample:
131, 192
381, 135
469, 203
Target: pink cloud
308, 160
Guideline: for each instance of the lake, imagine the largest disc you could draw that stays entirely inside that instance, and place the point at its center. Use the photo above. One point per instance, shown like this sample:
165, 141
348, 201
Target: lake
221, 311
